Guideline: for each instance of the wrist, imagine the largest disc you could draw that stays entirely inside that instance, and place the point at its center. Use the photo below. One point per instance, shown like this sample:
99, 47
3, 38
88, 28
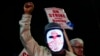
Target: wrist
27, 14
26, 17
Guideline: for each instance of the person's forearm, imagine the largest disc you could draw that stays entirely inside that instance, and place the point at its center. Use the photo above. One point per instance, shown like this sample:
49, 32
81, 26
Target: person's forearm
25, 27
25, 34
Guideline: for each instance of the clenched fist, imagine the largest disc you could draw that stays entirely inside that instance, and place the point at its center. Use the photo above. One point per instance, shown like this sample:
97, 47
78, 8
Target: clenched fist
28, 7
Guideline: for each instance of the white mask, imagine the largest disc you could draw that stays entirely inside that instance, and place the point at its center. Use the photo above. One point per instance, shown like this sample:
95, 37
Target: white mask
55, 40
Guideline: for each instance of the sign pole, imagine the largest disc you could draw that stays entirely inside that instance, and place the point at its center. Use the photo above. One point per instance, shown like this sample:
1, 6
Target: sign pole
67, 41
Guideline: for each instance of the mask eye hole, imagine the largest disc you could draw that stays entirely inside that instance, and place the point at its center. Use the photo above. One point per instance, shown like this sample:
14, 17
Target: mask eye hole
58, 35
50, 36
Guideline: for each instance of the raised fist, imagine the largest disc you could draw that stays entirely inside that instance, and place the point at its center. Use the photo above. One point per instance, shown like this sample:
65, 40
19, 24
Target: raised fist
28, 7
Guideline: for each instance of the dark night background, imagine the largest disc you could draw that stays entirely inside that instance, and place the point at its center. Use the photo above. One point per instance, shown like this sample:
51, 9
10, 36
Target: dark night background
84, 14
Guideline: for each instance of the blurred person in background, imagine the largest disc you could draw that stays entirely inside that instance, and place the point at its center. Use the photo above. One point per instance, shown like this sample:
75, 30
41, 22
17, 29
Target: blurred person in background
78, 46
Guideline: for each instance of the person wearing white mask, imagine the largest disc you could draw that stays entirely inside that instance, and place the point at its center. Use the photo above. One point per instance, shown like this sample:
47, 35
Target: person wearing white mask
54, 37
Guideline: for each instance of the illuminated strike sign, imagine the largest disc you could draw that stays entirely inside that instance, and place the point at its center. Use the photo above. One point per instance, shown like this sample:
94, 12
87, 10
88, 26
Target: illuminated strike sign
57, 15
